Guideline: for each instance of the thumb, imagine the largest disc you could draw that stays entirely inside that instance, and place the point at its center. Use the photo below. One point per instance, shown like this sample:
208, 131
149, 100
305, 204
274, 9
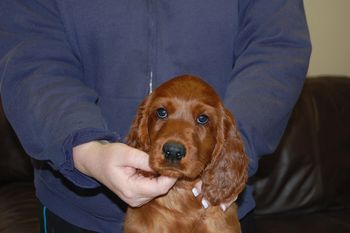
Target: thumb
137, 159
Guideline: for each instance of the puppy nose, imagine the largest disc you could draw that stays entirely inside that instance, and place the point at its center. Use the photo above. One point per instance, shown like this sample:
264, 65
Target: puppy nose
174, 151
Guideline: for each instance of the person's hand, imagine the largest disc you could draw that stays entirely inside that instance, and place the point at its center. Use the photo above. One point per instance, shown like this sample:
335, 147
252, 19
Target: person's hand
115, 165
197, 189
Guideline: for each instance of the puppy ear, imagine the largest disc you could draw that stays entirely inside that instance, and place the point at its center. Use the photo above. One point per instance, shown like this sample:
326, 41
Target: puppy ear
138, 136
226, 175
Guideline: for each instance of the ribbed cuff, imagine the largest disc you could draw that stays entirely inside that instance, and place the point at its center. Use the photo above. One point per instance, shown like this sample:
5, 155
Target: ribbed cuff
80, 137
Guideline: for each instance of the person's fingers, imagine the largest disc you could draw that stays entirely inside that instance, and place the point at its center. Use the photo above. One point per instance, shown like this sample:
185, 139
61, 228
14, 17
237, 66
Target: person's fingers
165, 183
224, 206
153, 186
197, 189
143, 189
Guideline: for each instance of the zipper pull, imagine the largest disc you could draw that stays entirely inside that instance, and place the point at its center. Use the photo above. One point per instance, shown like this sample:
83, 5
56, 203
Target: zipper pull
150, 83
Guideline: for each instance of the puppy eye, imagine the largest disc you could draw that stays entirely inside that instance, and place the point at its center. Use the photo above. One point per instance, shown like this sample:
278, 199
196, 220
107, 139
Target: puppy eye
202, 119
162, 113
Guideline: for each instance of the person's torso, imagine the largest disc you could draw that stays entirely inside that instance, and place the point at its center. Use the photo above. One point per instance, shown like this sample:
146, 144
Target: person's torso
128, 47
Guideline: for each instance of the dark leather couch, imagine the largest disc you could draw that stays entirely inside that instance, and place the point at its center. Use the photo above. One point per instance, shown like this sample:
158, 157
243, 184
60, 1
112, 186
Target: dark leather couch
303, 187
18, 206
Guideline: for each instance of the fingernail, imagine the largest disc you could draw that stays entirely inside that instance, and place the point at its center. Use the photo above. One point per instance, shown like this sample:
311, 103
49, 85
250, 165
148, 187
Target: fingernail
195, 192
205, 204
223, 207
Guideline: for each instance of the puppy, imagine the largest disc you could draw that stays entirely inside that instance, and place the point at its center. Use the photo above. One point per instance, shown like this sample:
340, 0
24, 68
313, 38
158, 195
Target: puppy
189, 134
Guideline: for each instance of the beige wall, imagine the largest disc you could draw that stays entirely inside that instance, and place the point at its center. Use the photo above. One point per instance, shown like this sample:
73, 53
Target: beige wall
329, 24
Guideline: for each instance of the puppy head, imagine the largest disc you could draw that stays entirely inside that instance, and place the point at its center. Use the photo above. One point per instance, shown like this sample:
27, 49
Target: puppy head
176, 126
183, 126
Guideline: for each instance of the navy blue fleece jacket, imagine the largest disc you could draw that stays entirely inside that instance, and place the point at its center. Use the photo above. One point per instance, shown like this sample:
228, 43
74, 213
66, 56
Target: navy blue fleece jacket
73, 71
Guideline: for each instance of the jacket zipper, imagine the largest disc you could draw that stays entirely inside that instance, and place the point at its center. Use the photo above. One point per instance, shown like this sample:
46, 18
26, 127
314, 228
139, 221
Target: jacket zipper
152, 43
150, 82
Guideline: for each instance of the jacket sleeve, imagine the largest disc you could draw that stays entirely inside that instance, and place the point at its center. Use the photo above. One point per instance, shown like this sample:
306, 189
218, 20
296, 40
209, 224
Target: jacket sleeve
272, 53
42, 91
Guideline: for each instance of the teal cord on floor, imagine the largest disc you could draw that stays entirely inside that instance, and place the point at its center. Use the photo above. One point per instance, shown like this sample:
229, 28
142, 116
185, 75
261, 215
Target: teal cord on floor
44, 220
